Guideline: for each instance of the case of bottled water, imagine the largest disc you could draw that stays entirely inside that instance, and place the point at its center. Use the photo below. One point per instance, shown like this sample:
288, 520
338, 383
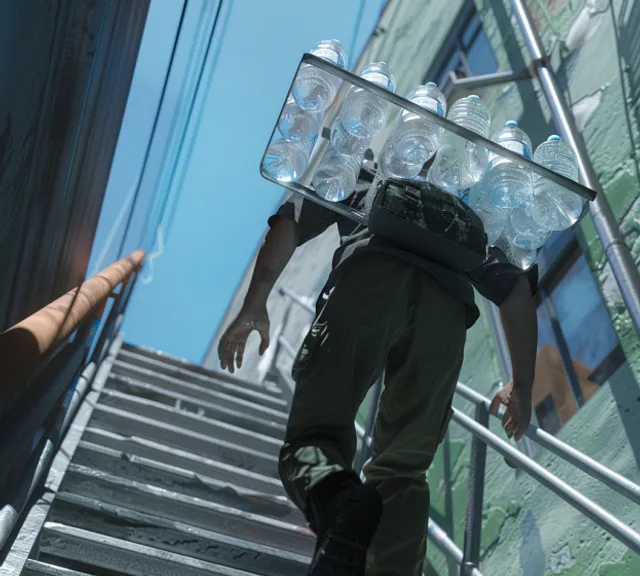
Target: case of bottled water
333, 119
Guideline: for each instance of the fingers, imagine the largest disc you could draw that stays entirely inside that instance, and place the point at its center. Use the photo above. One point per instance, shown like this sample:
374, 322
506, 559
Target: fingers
240, 354
495, 405
503, 396
264, 339
227, 353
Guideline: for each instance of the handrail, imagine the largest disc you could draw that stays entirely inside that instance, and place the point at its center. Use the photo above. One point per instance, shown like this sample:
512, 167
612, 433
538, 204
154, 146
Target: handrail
448, 547
590, 509
25, 346
66, 366
297, 299
588, 465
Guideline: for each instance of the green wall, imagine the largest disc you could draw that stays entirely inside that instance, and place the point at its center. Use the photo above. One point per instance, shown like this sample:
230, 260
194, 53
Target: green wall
527, 530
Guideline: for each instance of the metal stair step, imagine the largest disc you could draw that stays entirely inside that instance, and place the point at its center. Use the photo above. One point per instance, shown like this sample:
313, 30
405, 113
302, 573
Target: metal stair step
122, 557
202, 513
158, 372
137, 450
272, 503
143, 356
251, 407
268, 426
172, 536
36, 568
130, 424
191, 422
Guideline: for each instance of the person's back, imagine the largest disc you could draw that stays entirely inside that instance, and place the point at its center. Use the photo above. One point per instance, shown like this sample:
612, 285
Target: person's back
383, 310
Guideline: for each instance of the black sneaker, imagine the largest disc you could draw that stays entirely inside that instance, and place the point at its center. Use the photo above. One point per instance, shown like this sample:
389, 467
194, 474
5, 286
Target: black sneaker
346, 523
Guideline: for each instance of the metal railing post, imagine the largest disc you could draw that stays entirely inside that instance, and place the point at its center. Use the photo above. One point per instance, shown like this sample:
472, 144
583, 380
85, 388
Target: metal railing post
475, 498
616, 250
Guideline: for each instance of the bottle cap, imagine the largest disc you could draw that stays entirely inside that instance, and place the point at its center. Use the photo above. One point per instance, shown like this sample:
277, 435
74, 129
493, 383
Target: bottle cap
431, 84
511, 123
554, 138
473, 97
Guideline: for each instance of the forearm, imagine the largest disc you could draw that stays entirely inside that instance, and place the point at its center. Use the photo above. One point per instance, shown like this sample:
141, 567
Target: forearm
520, 323
278, 248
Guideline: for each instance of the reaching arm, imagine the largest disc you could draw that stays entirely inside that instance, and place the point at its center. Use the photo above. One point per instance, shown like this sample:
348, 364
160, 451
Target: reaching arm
520, 323
278, 248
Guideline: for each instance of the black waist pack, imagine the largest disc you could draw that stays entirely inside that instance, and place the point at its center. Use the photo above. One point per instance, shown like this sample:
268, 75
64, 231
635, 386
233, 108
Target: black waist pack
424, 220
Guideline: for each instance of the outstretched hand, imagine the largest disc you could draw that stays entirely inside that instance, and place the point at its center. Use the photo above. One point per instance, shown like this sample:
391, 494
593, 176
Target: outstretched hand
234, 340
517, 415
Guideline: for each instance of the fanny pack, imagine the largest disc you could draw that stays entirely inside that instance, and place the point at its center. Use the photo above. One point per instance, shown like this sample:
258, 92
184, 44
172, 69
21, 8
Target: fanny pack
424, 220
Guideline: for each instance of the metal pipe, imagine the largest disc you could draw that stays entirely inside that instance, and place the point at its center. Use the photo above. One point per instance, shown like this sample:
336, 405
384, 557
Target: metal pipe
570, 495
10, 513
298, 300
483, 80
447, 546
288, 348
616, 250
25, 346
473, 524
574, 457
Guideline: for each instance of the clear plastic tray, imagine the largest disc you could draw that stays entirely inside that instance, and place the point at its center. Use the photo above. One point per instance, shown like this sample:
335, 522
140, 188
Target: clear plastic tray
303, 184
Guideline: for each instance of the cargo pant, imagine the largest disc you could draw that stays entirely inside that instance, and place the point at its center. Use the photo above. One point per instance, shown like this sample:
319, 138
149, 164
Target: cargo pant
383, 314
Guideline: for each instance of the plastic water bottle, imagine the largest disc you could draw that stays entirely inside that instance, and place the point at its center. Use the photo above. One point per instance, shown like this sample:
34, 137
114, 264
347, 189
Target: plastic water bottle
298, 124
286, 160
315, 89
337, 175
508, 184
346, 143
555, 207
523, 231
459, 163
414, 139
520, 257
493, 217
364, 114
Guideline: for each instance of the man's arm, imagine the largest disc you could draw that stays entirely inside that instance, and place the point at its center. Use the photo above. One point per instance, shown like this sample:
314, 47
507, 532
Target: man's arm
278, 248
513, 289
520, 323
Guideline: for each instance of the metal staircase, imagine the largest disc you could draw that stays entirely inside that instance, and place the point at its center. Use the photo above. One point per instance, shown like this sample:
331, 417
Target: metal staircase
171, 470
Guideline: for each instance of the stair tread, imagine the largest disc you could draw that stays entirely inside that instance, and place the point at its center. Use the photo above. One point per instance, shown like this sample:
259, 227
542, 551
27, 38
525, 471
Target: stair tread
37, 568
128, 558
130, 424
270, 426
145, 355
173, 536
202, 513
189, 421
133, 448
168, 371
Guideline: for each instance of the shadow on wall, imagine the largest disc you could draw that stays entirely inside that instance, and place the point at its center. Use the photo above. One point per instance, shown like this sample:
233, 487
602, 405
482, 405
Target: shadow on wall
629, 47
532, 559
533, 120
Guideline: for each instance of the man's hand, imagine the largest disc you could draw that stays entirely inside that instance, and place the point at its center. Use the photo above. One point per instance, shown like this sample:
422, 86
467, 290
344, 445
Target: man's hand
234, 340
517, 415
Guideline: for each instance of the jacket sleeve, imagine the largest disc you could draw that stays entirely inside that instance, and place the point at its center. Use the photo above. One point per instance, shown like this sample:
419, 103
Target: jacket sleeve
496, 277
